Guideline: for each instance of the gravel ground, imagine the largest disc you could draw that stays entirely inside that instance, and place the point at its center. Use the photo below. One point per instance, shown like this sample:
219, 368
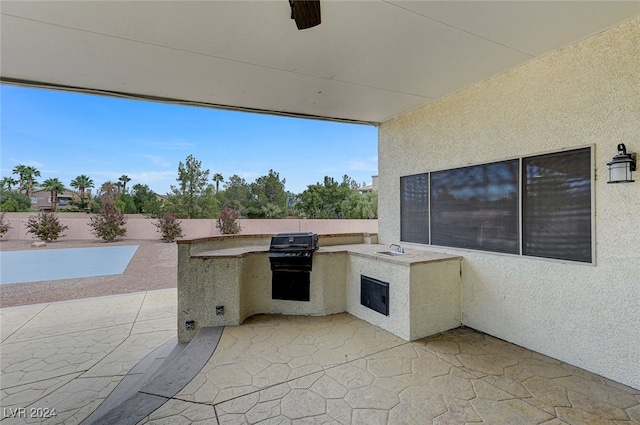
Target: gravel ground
153, 266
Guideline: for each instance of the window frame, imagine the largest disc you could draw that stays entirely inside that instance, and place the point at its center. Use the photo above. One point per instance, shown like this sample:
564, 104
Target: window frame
520, 200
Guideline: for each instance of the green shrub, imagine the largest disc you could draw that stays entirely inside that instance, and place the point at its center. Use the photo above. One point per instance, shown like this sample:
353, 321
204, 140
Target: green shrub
45, 226
227, 223
10, 206
169, 226
4, 224
13, 201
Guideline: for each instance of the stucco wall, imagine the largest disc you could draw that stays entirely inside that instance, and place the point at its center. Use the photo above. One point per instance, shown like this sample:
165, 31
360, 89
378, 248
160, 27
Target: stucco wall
139, 227
585, 94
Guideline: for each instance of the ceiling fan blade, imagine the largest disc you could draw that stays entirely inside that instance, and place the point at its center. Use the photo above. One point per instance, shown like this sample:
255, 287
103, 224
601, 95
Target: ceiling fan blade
306, 13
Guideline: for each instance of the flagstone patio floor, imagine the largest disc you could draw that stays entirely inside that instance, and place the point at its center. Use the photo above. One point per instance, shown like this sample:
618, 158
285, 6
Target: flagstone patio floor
69, 356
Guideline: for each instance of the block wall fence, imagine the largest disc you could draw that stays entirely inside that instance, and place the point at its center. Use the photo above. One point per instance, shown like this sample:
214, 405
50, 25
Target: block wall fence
141, 228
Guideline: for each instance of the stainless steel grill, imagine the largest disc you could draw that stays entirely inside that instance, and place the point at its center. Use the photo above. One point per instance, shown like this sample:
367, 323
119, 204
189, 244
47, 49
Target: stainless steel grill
291, 258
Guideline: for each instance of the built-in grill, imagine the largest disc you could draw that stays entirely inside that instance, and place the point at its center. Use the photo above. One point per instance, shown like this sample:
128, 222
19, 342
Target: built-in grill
291, 258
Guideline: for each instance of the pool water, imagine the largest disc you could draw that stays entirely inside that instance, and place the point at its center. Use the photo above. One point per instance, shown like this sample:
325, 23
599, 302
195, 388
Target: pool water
67, 263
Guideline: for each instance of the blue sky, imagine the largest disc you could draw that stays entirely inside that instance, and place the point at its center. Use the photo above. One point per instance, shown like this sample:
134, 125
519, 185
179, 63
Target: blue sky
67, 134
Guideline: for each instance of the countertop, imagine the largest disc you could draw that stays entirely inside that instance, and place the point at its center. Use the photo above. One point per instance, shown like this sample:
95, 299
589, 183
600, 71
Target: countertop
410, 257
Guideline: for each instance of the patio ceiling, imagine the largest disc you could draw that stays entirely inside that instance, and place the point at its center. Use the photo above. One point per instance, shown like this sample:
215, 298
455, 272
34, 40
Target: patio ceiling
368, 61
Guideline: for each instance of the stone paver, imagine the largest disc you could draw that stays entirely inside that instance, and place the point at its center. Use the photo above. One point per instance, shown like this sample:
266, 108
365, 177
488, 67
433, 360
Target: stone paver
295, 370
69, 356
369, 376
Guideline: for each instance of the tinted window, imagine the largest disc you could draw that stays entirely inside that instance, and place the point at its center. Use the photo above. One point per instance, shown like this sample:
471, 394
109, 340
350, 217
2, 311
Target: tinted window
414, 208
557, 205
476, 207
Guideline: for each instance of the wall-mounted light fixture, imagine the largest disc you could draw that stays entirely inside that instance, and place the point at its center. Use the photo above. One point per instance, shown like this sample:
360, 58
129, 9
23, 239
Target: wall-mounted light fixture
622, 166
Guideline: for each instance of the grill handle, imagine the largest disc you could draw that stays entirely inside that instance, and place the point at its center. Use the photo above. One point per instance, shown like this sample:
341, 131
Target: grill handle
292, 245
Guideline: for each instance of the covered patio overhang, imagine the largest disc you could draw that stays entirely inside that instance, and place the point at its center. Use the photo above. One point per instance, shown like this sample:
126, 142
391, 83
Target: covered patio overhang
370, 62
367, 62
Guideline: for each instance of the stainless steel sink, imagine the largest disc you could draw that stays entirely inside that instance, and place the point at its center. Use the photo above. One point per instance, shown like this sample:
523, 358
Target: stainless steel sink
392, 253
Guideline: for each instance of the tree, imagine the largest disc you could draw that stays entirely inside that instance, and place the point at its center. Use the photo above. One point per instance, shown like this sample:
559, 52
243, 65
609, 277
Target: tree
127, 204
27, 175
325, 200
124, 179
109, 223
271, 211
292, 201
217, 178
269, 195
20, 170
54, 186
14, 201
145, 201
361, 205
190, 198
349, 182
30, 181
8, 183
82, 183
237, 193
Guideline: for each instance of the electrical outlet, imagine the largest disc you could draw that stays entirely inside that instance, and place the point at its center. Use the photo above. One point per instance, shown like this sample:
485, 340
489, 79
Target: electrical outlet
190, 325
219, 310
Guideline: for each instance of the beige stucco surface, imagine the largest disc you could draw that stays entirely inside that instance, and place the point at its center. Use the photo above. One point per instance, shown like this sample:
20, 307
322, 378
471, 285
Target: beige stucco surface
587, 94
424, 298
424, 287
140, 227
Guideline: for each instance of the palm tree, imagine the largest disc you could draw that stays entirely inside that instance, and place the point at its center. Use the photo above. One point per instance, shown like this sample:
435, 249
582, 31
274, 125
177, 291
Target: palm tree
27, 174
124, 179
54, 186
82, 183
8, 182
20, 171
217, 177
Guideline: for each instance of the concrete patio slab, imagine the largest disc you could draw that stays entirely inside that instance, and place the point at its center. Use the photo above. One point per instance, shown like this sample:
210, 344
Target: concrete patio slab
273, 369
67, 357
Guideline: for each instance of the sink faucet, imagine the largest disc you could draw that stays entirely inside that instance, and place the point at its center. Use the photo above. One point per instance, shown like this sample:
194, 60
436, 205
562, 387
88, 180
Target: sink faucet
400, 249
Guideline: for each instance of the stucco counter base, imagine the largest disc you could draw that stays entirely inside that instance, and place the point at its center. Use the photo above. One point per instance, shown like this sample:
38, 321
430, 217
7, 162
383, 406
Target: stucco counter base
221, 287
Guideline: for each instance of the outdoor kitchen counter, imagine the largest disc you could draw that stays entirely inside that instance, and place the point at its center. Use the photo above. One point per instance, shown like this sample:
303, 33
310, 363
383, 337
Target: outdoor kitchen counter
423, 299
232, 252
410, 257
373, 251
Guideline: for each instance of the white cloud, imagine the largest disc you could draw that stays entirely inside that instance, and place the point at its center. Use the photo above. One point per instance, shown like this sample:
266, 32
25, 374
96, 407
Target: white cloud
139, 177
157, 160
363, 164
159, 181
154, 176
30, 163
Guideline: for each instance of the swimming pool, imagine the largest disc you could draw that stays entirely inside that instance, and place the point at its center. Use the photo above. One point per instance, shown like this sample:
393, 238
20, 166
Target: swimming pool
66, 263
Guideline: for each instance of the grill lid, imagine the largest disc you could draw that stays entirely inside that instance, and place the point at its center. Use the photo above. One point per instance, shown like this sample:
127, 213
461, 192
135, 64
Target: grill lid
300, 241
